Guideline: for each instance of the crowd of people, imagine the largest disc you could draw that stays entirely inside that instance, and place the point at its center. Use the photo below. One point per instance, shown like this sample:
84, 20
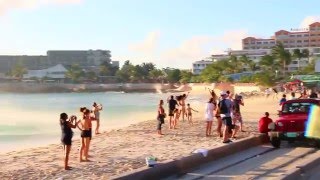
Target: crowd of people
84, 124
224, 108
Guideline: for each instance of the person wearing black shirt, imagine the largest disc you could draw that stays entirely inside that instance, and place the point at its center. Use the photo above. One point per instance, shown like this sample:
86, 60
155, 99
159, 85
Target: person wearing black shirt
66, 136
172, 106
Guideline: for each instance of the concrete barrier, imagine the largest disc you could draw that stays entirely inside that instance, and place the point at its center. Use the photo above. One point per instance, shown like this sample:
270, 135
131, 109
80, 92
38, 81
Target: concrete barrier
185, 164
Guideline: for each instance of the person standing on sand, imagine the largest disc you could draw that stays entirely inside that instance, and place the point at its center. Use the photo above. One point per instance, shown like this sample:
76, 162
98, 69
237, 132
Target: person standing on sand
209, 108
85, 125
189, 113
96, 111
275, 93
237, 102
216, 112
66, 137
183, 105
161, 116
225, 109
172, 106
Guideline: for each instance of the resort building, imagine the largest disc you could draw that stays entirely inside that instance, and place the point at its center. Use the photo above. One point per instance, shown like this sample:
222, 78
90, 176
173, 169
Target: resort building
56, 72
198, 66
255, 48
90, 59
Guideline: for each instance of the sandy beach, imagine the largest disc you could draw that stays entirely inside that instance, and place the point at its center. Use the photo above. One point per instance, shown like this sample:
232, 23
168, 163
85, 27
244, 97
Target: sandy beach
122, 150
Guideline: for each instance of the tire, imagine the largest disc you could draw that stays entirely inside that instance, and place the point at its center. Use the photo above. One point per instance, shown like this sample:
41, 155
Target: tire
275, 142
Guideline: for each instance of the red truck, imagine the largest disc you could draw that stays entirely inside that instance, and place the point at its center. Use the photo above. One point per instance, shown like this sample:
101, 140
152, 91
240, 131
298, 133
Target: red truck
292, 122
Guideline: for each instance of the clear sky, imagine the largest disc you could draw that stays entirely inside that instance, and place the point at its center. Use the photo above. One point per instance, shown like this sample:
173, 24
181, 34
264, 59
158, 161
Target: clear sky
166, 32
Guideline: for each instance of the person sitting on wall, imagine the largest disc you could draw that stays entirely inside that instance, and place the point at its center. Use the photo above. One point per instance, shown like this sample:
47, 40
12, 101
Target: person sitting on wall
264, 122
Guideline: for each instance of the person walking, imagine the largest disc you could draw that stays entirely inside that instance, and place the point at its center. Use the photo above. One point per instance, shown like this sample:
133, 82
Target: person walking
66, 136
161, 116
209, 108
172, 106
225, 109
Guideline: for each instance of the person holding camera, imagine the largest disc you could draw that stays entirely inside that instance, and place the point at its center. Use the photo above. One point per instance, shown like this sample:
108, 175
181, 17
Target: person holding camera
66, 136
96, 111
237, 102
160, 117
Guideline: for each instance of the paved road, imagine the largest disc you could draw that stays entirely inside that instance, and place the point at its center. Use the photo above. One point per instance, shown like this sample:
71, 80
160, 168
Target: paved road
255, 163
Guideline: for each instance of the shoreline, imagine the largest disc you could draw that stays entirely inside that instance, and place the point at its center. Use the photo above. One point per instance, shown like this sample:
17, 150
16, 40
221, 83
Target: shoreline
121, 150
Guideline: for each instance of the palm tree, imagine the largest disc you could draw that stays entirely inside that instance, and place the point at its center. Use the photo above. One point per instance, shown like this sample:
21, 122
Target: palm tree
283, 56
298, 55
245, 61
18, 71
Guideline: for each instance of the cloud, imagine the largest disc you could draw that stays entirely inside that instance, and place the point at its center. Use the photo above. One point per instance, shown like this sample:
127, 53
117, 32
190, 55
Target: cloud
184, 53
200, 47
7, 5
309, 20
148, 45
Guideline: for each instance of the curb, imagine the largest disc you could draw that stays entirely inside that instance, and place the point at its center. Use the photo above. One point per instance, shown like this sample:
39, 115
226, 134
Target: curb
312, 162
182, 165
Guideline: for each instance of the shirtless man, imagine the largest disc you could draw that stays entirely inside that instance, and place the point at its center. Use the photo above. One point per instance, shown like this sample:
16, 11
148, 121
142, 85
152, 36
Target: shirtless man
183, 105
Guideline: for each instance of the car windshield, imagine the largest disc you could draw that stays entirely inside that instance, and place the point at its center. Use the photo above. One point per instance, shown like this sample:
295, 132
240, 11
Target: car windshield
297, 107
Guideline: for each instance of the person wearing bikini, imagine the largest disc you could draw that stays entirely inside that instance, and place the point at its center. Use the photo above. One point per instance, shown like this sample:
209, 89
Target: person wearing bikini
84, 126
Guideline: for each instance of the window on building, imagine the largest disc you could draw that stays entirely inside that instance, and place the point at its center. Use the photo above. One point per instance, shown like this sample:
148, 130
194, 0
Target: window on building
285, 41
258, 42
299, 35
306, 41
313, 40
306, 35
265, 42
299, 41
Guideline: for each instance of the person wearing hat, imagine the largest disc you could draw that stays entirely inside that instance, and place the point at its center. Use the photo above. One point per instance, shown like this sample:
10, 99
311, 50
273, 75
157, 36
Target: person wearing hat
225, 109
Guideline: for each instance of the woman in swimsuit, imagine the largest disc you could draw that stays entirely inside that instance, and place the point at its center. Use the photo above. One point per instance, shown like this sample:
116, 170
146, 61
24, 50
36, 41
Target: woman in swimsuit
85, 125
66, 137
96, 111
161, 116
216, 112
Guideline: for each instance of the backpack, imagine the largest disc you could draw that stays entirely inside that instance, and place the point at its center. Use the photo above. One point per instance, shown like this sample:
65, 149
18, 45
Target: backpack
223, 108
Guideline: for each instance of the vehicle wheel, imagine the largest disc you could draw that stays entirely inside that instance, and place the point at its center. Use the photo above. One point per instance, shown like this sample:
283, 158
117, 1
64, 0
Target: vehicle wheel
275, 142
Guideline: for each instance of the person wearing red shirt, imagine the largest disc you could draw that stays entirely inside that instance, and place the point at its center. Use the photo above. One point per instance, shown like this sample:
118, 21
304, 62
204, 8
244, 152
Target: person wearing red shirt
264, 122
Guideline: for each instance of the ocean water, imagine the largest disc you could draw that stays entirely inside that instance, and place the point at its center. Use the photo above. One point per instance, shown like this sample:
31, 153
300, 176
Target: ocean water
31, 120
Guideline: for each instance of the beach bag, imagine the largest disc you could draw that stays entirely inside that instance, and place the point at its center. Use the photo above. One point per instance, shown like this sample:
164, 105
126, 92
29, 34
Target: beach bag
223, 108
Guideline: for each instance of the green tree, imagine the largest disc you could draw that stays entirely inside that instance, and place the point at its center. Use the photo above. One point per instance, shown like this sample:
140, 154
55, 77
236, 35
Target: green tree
75, 73
156, 75
18, 71
268, 63
186, 76
283, 56
173, 75
297, 54
91, 75
126, 72
108, 69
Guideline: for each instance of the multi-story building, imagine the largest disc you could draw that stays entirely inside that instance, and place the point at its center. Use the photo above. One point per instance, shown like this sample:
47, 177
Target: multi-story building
86, 59
256, 48
198, 66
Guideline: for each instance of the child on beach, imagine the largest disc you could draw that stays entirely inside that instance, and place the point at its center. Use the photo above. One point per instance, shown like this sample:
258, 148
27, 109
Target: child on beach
85, 125
189, 113
66, 137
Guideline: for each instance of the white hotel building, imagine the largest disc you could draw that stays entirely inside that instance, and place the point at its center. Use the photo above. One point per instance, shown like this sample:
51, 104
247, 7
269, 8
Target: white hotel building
255, 48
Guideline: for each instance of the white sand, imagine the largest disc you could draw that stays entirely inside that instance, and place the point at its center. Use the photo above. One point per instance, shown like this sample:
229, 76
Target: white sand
122, 150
